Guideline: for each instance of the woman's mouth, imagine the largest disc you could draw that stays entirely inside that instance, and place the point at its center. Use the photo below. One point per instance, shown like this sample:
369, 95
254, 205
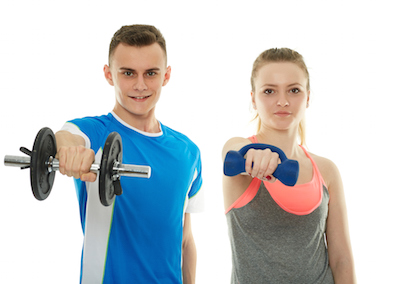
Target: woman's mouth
282, 113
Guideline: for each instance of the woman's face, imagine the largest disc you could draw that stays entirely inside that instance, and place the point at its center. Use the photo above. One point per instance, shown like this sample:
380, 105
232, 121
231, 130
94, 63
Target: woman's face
281, 95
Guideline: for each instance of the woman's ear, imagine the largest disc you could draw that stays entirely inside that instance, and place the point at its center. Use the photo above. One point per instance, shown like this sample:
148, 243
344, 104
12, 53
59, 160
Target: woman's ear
253, 100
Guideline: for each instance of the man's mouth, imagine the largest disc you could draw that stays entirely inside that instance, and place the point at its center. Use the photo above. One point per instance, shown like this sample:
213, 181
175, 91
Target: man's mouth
141, 98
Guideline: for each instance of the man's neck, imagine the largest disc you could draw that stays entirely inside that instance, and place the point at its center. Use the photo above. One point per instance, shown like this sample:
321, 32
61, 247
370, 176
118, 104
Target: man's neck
146, 123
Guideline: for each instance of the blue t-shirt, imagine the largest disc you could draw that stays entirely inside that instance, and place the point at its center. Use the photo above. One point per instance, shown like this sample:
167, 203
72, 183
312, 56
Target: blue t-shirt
138, 239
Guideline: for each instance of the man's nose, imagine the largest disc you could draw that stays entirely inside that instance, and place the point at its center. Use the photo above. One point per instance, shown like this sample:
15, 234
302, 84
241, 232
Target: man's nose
140, 84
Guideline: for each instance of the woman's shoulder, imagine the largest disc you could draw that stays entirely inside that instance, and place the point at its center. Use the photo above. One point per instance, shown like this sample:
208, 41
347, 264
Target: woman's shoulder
235, 143
237, 140
321, 161
327, 168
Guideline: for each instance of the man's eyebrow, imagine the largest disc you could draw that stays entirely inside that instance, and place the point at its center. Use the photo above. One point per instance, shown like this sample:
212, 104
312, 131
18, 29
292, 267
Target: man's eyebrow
153, 69
131, 70
126, 69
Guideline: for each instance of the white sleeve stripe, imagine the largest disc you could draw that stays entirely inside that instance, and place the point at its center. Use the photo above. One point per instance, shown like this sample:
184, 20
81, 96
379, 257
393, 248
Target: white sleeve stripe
97, 231
195, 203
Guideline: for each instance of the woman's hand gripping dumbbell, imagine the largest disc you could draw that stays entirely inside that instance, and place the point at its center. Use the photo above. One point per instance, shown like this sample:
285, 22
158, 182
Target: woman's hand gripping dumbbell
287, 171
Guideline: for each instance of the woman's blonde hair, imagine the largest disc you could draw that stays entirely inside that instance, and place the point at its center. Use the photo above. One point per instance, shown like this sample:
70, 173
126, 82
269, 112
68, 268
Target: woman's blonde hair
280, 55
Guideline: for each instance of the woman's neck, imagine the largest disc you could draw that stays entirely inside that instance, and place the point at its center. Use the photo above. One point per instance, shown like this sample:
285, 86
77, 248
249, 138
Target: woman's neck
286, 140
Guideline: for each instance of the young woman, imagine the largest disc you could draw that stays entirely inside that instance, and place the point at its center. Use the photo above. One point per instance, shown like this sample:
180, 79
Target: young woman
282, 234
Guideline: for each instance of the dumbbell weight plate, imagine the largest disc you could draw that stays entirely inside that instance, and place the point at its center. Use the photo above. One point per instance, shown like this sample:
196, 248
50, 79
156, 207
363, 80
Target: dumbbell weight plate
112, 152
41, 179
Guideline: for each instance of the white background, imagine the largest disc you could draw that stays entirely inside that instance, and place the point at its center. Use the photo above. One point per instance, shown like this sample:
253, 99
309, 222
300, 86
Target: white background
52, 55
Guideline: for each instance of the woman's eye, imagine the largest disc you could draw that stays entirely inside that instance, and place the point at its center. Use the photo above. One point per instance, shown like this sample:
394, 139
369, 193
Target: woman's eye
295, 90
269, 91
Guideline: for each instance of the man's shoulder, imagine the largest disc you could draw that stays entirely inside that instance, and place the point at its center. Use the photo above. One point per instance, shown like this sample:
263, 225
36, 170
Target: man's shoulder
91, 121
170, 133
99, 118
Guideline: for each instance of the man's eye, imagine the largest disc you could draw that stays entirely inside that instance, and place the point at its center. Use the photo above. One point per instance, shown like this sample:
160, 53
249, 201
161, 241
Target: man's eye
151, 74
128, 73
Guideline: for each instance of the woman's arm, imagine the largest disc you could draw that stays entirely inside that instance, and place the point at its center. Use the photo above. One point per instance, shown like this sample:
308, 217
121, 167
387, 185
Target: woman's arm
235, 144
337, 231
259, 163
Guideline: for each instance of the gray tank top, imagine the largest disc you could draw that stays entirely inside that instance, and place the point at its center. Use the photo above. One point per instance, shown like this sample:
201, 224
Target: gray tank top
270, 245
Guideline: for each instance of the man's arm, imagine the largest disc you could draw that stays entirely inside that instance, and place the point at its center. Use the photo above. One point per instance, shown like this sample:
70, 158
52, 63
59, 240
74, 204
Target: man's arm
189, 253
75, 160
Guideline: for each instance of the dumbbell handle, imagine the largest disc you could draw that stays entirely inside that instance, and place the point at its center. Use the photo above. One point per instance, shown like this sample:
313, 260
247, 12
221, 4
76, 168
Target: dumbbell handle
53, 165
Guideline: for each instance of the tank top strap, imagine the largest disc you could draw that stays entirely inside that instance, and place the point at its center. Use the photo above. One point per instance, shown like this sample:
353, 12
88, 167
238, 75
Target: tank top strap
315, 167
253, 139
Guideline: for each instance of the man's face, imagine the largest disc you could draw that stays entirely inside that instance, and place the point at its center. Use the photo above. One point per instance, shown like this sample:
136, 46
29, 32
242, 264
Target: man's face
137, 74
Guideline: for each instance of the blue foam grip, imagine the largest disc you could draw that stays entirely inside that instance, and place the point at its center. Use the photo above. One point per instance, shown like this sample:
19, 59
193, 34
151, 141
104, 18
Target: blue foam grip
287, 171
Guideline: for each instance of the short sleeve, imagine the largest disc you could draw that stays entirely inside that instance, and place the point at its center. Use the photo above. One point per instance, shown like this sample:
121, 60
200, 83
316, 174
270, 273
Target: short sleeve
196, 194
92, 129
74, 129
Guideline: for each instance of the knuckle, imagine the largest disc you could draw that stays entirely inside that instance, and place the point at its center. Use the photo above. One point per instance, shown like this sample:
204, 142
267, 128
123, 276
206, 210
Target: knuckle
62, 149
80, 149
256, 167
71, 150
263, 169
92, 155
267, 152
76, 168
271, 170
249, 163
249, 154
275, 155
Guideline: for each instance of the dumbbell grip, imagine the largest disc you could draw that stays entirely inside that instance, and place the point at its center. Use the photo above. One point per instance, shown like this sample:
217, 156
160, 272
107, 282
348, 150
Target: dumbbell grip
53, 164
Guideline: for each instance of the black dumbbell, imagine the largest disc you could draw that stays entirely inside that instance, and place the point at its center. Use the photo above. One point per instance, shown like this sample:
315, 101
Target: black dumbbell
43, 166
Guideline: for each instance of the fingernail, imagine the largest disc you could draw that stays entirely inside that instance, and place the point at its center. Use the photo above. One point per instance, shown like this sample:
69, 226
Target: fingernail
268, 177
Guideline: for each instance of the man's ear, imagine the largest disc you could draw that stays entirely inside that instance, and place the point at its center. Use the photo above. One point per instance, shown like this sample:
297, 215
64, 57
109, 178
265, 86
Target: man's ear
167, 76
108, 75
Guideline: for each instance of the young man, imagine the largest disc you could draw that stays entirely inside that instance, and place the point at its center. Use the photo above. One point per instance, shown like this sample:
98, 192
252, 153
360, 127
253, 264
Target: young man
145, 235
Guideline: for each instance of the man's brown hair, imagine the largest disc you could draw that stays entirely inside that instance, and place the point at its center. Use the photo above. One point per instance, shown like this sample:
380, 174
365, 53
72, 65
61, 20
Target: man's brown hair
137, 35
